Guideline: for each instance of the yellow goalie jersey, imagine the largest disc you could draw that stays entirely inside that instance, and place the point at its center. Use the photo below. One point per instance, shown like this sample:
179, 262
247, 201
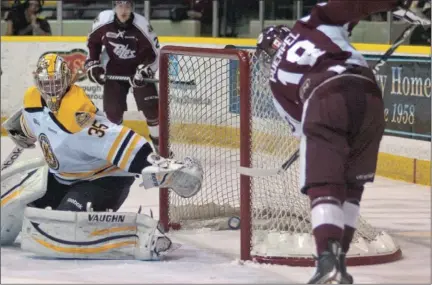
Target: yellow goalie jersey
79, 142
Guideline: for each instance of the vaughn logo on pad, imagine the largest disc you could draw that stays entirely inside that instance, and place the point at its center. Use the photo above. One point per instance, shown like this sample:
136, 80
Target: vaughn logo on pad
109, 218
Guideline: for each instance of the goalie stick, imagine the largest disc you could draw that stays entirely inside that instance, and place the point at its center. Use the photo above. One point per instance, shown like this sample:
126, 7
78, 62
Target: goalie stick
260, 172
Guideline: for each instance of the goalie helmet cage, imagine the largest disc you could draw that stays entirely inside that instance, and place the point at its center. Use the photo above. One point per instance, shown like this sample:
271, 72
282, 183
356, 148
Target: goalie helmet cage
216, 105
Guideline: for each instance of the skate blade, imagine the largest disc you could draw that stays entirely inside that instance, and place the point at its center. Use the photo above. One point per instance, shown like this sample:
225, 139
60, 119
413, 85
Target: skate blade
330, 278
337, 279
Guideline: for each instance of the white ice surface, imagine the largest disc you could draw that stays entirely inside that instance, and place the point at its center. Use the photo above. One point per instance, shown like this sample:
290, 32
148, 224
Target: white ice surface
402, 209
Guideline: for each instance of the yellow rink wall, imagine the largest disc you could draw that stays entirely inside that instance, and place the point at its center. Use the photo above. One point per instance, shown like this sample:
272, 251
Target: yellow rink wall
389, 165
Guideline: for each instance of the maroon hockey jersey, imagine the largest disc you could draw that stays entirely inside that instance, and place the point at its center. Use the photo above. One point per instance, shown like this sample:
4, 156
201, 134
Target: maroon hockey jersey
317, 43
126, 48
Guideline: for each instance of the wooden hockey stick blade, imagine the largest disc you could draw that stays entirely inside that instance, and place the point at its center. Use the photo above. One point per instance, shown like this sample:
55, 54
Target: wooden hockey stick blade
261, 172
258, 172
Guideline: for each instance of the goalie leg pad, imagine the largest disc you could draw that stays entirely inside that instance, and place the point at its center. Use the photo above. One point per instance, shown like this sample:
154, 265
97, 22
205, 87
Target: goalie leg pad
183, 177
15, 198
90, 235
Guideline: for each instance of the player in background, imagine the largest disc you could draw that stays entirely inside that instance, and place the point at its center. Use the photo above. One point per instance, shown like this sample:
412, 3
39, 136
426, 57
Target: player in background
325, 90
92, 163
133, 50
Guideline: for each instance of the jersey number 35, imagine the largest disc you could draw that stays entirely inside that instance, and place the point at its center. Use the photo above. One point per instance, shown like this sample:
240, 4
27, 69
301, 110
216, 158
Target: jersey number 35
97, 129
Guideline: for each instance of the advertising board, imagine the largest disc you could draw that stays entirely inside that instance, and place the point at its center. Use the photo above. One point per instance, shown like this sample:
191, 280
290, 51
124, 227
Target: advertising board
406, 85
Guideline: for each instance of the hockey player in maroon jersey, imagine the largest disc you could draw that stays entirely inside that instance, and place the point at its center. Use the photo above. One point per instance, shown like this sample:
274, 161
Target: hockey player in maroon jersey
325, 90
133, 50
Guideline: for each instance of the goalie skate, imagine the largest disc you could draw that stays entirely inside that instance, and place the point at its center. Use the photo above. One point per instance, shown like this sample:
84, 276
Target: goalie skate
164, 245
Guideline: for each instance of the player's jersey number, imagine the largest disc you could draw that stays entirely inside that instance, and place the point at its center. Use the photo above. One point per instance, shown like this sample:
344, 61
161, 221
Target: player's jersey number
300, 53
97, 129
303, 52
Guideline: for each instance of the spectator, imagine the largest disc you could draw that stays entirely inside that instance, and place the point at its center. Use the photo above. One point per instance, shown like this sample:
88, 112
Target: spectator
23, 19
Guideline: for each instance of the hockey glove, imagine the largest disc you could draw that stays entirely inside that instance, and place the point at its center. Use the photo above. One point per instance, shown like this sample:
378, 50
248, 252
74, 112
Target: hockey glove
95, 72
183, 177
405, 3
21, 140
18, 131
413, 18
142, 72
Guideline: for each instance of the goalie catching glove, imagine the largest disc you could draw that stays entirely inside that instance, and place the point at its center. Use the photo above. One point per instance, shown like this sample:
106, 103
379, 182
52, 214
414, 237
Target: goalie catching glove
184, 178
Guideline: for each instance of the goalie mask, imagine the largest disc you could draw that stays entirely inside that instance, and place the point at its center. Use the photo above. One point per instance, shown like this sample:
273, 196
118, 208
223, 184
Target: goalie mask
271, 39
52, 77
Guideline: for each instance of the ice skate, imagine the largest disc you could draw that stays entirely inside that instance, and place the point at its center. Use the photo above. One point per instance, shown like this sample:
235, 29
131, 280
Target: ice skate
346, 277
162, 244
328, 266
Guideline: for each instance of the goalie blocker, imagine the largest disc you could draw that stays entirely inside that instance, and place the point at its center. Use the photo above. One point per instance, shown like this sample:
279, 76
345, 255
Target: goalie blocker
95, 235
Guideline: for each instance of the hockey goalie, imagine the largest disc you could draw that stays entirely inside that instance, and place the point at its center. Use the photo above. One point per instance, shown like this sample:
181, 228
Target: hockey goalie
67, 207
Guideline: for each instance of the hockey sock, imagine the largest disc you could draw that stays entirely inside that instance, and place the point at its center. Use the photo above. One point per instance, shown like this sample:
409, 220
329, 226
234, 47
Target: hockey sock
154, 131
327, 215
327, 223
351, 210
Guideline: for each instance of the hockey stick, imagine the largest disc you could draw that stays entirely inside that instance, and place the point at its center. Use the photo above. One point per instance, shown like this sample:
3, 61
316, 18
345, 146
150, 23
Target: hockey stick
126, 78
259, 172
405, 34
149, 80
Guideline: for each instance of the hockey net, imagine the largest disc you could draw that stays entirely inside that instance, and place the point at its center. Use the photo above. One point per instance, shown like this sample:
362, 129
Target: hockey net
216, 105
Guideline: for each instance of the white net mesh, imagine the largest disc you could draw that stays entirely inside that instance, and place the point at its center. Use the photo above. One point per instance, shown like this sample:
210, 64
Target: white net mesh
204, 122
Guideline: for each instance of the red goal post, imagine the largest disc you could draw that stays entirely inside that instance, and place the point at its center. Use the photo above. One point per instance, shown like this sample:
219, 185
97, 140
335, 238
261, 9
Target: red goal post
216, 105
